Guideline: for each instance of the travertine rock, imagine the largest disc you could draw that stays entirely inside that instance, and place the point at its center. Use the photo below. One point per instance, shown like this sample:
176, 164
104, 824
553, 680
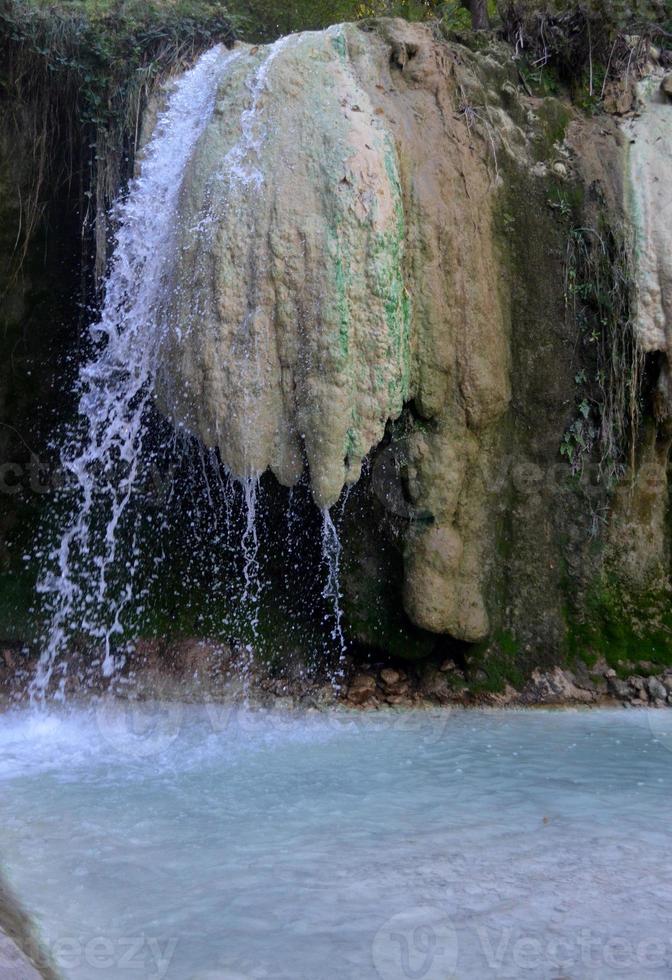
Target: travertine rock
337, 260
650, 206
331, 269
290, 313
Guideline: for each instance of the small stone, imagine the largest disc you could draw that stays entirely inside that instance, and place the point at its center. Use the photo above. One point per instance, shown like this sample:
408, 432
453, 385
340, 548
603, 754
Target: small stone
434, 684
362, 688
507, 696
619, 97
559, 169
666, 86
610, 673
396, 699
554, 686
390, 677
598, 685
617, 687
656, 690
447, 665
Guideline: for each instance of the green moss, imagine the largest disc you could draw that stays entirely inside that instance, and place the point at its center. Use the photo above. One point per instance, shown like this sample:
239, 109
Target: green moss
265, 20
343, 307
17, 594
372, 577
541, 81
624, 628
458, 30
392, 287
498, 658
353, 445
341, 46
373, 608
99, 52
554, 117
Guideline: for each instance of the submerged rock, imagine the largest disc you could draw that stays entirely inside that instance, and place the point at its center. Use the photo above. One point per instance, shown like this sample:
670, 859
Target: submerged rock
22, 956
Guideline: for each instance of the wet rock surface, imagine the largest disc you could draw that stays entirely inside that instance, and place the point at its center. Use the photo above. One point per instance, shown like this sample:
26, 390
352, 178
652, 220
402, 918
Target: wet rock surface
21, 954
201, 670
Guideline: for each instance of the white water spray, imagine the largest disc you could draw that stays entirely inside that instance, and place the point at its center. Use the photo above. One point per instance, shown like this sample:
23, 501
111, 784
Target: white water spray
116, 383
331, 557
250, 547
239, 164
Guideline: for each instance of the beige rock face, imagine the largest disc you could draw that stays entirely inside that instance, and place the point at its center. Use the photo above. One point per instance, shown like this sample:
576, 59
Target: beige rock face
637, 533
650, 205
336, 262
290, 314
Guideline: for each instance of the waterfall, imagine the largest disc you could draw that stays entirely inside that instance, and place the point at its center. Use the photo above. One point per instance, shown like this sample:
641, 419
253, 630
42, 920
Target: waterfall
331, 557
106, 455
237, 165
250, 548
94, 578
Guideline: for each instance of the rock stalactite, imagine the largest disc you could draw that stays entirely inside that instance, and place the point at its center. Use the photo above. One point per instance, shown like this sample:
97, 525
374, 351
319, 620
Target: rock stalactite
332, 269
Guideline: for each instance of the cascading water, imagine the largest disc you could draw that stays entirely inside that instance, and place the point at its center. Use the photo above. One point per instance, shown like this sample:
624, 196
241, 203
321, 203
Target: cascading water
93, 572
250, 546
115, 383
331, 554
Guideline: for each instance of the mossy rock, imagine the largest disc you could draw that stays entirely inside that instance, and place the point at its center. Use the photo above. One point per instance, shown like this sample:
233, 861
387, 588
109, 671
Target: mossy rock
631, 631
554, 116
